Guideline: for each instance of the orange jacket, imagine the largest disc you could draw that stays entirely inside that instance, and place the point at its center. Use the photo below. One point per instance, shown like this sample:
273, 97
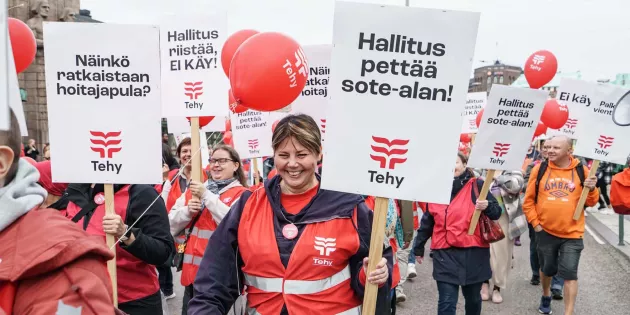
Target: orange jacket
558, 196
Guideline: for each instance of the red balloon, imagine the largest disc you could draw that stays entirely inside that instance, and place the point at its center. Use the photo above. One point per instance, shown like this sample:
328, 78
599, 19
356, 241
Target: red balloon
235, 107
203, 121
540, 68
23, 44
541, 129
555, 114
464, 138
228, 125
231, 46
273, 127
478, 119
227, 138
268, 72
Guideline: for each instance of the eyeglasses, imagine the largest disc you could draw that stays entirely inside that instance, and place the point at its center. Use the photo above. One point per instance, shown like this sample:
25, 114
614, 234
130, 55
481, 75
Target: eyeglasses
220, 161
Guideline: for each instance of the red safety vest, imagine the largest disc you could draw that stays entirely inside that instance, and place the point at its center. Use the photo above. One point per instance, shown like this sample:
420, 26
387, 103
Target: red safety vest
317, 277
203, 229
452, 221
7, 296
176, 191
136, 279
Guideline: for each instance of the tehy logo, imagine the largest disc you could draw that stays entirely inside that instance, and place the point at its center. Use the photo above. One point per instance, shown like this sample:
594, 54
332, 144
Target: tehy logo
604, 142
323, 125
538, 59
499, 150
299, 66
571, 123
388, 153
253, 144
193, 90
325, 246
472, 123
106, 144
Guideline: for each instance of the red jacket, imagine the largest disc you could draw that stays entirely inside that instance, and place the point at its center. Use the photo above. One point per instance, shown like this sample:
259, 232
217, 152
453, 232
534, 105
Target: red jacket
47, 258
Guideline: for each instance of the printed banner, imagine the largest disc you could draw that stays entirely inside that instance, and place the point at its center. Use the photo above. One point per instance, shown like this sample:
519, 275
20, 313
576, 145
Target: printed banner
4, 71
177, 125
251, 132
507, 128
398, 85
475, 102
607, 141
104, 102
15, 99
190, 48
576, 95
314, 98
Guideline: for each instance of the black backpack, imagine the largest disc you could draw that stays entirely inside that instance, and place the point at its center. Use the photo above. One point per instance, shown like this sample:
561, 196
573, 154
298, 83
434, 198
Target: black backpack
543, 168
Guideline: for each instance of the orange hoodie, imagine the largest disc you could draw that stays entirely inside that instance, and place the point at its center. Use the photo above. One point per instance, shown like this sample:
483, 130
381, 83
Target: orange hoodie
558, 196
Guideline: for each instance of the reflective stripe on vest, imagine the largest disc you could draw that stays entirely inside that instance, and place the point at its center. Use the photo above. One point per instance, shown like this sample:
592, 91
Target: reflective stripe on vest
204, 234
297, 286
352, 311
189, 259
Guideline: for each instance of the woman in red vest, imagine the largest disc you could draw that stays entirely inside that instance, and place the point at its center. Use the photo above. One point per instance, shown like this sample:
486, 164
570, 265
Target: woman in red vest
298, 248
224, 188
459, 259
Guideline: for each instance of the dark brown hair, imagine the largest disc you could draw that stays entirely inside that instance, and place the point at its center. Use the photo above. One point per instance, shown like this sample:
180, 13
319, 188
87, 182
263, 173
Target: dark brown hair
462, 157
185, 142
301, 127
239, 173
12, 138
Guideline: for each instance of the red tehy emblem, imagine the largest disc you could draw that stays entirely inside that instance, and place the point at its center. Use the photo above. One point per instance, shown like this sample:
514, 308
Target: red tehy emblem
389, 153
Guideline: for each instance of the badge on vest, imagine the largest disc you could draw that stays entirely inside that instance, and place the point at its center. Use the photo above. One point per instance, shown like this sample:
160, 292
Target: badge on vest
99, 199
290, 231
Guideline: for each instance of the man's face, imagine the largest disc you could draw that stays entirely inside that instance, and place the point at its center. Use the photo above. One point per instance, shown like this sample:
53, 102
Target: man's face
558, 149
165, 137
44, 8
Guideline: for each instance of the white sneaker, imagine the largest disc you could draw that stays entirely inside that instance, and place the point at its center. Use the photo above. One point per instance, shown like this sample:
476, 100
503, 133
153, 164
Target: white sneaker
411, 271
607, 211
172, 296
400, 296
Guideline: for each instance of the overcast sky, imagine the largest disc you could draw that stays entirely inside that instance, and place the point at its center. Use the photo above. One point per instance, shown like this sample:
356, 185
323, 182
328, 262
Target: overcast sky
592, 36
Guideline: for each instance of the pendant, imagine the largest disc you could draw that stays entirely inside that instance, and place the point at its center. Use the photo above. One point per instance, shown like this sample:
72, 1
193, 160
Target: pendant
99, 198
290, 231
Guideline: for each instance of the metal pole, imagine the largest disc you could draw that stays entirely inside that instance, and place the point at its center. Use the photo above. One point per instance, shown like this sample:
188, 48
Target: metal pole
621, 231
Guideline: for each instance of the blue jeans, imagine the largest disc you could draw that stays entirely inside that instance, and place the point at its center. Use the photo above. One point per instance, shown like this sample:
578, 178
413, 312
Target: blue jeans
412, 255
449, 293
557, 283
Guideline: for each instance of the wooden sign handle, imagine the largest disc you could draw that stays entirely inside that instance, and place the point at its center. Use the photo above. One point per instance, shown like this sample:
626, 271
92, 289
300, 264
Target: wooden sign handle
482, 196
195, 143
255, 170
109, 238
580, 206
376, 253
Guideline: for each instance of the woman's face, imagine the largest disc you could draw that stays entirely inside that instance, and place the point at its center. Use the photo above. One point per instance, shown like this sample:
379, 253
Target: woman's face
460, 167
296, 165
184, 156
222, 166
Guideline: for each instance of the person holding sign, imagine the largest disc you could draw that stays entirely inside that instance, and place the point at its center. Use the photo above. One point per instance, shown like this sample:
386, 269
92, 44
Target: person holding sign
146, 245
71, 275
224, 188
459, 259
553, 192
297, 247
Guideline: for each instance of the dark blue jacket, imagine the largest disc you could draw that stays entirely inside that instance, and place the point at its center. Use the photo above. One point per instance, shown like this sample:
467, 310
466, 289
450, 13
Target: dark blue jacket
461, 266
220, 277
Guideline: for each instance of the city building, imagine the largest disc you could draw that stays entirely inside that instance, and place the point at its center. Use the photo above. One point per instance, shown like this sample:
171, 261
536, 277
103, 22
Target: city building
497, 73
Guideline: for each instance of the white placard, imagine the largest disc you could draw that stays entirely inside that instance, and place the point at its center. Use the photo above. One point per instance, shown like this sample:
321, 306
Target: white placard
104, 128
177, 125
381, 121
576, 95
190, 48
4, 68
314, 97
475, 102
251, 133
15, 99
507, 128
599, 138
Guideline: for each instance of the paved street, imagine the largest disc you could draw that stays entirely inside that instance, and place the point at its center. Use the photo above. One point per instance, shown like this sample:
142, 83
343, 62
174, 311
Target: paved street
604, 279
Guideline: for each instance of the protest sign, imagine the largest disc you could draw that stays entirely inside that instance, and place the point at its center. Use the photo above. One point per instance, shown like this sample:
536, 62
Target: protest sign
15, 99
314, 97
576, 95
4, 72
177, 125
103, 102
475, 102
252, 134
190, 48
608, 141
507, 127
399, 81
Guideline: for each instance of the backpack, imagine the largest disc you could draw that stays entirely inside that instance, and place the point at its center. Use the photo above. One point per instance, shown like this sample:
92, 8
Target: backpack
620, 192
543, 168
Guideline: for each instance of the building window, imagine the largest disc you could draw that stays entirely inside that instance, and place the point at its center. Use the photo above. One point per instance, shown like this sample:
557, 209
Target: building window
496, 79
501, 79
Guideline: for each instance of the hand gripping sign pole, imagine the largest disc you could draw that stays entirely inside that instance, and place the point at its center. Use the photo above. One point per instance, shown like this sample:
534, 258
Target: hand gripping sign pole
111, 242
580, 206
482, 196
376, 253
